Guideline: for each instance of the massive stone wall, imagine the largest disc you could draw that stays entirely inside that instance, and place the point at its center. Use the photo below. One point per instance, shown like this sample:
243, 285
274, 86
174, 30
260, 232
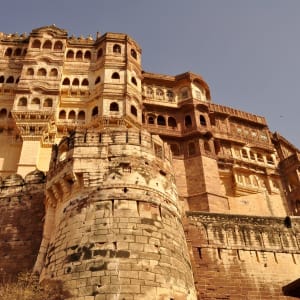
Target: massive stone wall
241, 257
21, 222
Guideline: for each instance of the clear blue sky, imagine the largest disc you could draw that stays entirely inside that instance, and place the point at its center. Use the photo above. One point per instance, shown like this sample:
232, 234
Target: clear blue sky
248, 51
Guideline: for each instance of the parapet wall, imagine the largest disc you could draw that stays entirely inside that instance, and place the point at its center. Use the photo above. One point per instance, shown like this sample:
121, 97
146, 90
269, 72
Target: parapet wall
241, 257
21, 222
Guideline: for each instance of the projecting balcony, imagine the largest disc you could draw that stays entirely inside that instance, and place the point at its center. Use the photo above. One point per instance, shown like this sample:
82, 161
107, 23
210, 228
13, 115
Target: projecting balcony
291, 161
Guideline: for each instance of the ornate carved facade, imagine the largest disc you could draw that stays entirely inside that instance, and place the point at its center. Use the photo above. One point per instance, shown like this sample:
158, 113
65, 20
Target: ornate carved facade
141, 158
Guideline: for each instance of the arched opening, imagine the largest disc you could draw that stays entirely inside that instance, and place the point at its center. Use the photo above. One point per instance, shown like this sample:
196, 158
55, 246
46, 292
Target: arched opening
133, 53
161, 121
36, 44
3, 113
75, 81
53, 72
8, 52
47, 45
18, 52
95, 111
10, 79
191, 149
133, 80
117, 48
160, 93
172, 122
66, 81
62, 115
87, 55
36, 101
58, 45
149, 92
175, 149
81, 115
170, 95
85, 82
115, 75
188, 121
30, 72
42, 72
70, 54
22, 101
2, 79
151, 120
99, 53
98, 79
202, 120
114, 106
48, 102
72, 115
133, 110
79, 54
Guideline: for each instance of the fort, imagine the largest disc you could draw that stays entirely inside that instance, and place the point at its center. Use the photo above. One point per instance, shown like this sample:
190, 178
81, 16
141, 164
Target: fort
126, 184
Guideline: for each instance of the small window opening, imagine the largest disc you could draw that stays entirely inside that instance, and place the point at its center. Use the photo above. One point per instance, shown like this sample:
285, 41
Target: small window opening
188, 121
161, 121
133, 53
114, 106
202, 121
117, 48
133, 110
115, 75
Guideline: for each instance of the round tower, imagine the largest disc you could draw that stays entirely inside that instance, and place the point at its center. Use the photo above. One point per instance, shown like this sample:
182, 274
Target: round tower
113, 227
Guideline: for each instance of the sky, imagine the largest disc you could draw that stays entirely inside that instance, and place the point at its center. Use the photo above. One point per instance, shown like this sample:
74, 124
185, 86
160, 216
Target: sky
248, 51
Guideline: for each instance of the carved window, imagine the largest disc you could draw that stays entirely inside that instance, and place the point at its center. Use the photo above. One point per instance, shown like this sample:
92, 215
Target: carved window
72, 115
114, 106
260, 157
133, 80
161, 121
18, 52
36, 101
47, 45
95, 111
188, 121
98, 80
3, 113
53, 72
10, 79
244, 153
99, 53
202, 120
170, 95
2, 79
62, 115
184, 93
75, 81
22, 101
115, 75
42, 72
252, 156
172, 122
117, 48
36, 44
30, 72
48, 102
85, 82
149, 92
207, 146
270, 160
175, 149
79, 54
58, 45
158, 150
66, 81
160, 93
70, 54
87, 55
81, 115
8, 52
151, 120
133, 110
133, 53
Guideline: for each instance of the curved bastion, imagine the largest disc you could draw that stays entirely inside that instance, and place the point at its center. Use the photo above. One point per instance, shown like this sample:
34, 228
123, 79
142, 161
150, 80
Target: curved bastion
113, 226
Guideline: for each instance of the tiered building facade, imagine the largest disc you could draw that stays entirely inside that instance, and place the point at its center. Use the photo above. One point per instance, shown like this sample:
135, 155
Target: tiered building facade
152, 191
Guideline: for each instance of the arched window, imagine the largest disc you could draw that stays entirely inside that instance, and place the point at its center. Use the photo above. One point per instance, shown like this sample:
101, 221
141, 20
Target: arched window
115, 75
160, 93
206, 146
72, 115
58, 45
70, 54
149, 92
192, 148
18, 52
116, 48
85, 82
48, 102
22, 101
151, 120
30, 72
202, 120
66, 81
36, 101
79, 54
3, 113
42, 72
133, 80
53, 72
36, 44
75, 81
2, 79
161, 121
62, 115
188, 121
95, 111
8, 52
98, 79
172, 122
133, 53
170, 95
87, 55
99, 53
175, 149
114, 106
47, 45
81, 115
24, 51
133, 110
10, 79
